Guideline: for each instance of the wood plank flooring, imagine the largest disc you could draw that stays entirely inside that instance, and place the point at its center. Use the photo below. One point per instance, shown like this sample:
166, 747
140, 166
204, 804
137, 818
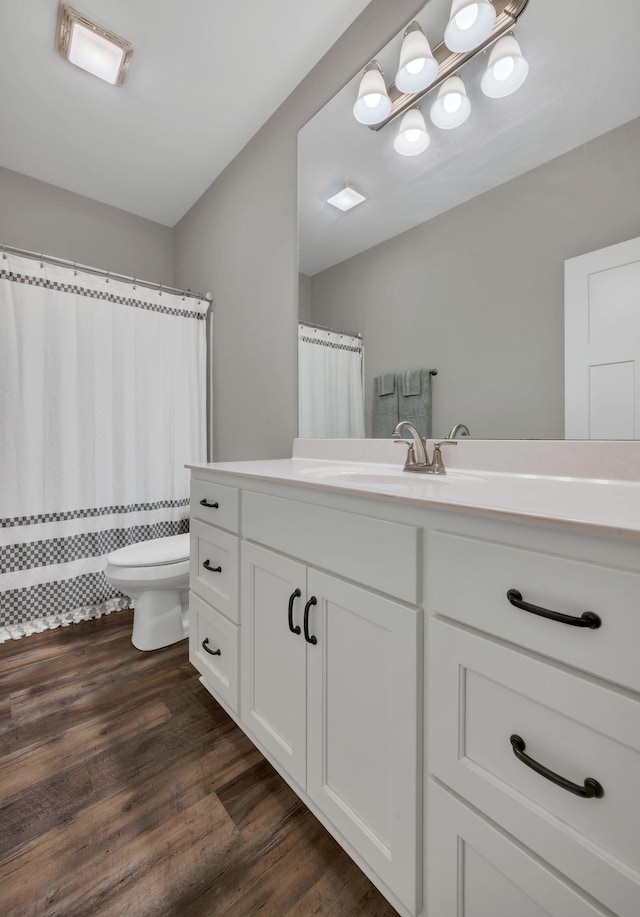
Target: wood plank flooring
126, 790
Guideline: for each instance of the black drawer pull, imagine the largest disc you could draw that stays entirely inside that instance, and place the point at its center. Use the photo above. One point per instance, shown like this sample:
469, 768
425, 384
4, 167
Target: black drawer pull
294, 595
310, 639
207, 566
590, 789
209, 505
205, 647
586, 619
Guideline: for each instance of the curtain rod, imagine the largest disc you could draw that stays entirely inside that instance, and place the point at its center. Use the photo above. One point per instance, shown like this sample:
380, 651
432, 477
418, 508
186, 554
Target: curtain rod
100, 272
352, 334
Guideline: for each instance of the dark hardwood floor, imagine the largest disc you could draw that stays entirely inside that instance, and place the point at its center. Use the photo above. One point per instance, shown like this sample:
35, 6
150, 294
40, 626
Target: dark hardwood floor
126, 790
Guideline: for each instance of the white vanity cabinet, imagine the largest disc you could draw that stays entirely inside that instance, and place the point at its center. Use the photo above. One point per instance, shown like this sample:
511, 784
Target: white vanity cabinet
329, 688
533, 722
379, 656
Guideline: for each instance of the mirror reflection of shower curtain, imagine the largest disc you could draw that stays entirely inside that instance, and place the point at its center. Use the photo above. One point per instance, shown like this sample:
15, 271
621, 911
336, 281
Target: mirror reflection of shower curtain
102, 401
330, 385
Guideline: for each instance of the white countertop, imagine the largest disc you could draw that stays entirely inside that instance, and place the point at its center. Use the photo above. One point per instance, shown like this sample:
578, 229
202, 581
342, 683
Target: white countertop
595, 505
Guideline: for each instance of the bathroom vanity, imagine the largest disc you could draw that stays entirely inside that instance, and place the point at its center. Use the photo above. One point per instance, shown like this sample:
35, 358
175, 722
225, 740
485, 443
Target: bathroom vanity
473, 754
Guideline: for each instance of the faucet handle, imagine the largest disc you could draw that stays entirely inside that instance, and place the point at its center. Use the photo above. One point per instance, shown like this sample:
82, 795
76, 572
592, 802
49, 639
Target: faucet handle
411, 455
438, 464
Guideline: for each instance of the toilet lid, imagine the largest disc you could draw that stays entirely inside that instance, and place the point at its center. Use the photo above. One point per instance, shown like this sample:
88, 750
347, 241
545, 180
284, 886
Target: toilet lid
152, 553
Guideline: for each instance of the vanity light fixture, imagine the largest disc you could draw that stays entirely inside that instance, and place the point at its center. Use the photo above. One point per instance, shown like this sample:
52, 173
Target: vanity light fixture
452, 106
346, 199
417, 68
92, 47
469, 25
373, 103
497, 17
412, 137
506, 71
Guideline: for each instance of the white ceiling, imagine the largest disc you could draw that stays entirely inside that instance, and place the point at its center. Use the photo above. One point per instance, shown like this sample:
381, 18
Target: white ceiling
204, 77
584, 80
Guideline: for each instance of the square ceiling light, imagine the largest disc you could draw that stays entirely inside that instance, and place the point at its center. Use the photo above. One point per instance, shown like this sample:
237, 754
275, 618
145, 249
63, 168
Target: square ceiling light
346, 199
91, 47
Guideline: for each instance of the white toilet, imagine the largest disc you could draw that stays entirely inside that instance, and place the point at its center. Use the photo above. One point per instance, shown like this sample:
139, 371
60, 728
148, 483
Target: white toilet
155, 574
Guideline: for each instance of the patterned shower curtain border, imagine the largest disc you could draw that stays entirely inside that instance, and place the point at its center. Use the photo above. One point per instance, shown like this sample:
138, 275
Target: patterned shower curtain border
63, 619
134, 302
93, 511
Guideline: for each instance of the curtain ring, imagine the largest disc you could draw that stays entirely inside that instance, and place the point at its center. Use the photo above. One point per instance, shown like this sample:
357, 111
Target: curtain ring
134, 283
107, 277
41, 260
160, 289
75, 272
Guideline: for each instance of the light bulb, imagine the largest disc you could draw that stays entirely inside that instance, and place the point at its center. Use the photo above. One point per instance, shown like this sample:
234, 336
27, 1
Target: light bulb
469, 24
452, 102
467, 17
506, 71
452, 106
372, 100
503, 69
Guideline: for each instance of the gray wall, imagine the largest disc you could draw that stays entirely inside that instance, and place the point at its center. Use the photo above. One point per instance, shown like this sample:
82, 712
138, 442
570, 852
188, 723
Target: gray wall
479, 291
44, 218
239, 241
304, 297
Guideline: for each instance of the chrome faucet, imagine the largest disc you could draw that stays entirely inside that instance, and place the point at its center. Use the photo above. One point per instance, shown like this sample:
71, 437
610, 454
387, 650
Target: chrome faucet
417, 456
458, 429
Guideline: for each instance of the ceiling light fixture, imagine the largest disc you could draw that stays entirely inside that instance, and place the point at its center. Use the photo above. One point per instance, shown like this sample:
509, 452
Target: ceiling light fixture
412, 137
506, 71
470, 24
91, 47
346, 199
373, 103
417, 68
452, 106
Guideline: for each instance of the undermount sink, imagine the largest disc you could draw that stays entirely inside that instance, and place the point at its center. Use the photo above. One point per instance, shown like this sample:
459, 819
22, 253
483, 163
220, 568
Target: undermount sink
378, 475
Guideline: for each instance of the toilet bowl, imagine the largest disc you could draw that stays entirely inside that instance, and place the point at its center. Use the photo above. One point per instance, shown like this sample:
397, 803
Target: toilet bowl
155, 574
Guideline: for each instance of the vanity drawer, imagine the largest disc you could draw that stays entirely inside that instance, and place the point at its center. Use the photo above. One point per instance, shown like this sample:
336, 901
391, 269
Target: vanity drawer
213, 568
214, 503
468, 579
482, 693
213, 650
497, 876
382, 555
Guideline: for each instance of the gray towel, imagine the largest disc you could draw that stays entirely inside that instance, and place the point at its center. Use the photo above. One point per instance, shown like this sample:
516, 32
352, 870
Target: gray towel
417, 408
411, 383
386, 385
385, 407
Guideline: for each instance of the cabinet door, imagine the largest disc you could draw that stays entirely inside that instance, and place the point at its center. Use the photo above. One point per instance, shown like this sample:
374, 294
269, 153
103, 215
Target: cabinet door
362, 766
273, 662
476, 870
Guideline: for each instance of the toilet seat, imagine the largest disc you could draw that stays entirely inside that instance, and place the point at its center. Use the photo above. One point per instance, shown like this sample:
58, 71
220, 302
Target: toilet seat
156, 552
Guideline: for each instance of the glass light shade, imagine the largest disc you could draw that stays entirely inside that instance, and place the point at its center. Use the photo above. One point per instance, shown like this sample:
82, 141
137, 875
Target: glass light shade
412, 137
346, 199
506, 71
91, 47
373, 103
469, 25
417, 68
452, 106
94, 53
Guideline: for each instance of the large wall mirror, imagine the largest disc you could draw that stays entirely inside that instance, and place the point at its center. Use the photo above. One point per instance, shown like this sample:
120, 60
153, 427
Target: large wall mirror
456, 258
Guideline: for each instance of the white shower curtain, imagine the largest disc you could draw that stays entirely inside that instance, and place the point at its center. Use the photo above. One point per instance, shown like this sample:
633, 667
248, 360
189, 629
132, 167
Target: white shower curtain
330, 388
102, 401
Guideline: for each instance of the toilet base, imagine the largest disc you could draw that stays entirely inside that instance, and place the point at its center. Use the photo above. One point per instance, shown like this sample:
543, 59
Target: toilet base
160, 618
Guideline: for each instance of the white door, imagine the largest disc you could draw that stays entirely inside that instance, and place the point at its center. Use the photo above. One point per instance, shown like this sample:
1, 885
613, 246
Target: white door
273, 695
602, 343
362, 746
